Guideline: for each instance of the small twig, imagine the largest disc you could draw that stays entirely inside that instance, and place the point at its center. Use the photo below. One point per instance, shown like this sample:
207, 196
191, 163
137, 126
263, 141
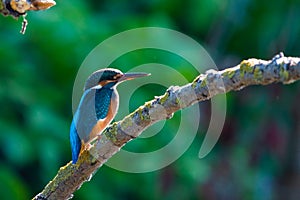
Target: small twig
24, 25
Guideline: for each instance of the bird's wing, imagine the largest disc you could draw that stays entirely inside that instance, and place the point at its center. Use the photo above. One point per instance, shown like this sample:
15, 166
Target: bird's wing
94, 106
102, 99
85, 116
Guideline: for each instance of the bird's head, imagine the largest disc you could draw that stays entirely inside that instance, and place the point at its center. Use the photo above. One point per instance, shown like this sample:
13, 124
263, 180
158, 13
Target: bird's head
110, 77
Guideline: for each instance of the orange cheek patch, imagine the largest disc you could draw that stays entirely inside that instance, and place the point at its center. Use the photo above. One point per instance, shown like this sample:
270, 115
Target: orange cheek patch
102, 83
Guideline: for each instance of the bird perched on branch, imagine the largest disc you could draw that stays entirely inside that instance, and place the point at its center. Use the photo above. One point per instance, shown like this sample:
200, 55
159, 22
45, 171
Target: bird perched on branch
97, 108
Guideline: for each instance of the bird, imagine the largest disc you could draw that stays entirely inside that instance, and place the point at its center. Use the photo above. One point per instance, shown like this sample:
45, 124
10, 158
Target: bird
97, 107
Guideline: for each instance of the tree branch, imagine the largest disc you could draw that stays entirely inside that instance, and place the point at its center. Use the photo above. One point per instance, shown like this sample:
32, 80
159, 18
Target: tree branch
17, 8
249, 72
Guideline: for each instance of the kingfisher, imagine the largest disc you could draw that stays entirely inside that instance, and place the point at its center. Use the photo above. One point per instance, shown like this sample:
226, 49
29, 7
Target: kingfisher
97, 108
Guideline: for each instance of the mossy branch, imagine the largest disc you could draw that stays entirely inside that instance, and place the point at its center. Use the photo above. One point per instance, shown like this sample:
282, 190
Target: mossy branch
249, 72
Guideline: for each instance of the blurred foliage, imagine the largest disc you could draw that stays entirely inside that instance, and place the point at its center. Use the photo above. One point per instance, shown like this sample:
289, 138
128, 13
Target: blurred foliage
257, 156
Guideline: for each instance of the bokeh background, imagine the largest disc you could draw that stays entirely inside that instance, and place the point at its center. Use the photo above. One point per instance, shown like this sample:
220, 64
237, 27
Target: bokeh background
258, 154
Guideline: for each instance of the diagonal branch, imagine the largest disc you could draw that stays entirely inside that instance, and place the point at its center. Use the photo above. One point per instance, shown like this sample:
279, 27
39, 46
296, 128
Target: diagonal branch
249, 72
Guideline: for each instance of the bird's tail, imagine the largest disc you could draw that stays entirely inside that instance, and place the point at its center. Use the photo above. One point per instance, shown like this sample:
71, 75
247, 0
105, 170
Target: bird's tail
75, 143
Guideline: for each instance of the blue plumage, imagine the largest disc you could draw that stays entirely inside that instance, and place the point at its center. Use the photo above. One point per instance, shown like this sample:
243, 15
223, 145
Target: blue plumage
75, 143
102, 101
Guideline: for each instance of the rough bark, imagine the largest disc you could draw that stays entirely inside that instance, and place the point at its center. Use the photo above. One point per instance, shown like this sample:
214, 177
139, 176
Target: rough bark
249, 72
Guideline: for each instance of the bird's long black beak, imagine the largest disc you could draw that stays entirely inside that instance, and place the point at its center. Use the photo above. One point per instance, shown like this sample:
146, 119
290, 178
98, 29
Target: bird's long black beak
133, 75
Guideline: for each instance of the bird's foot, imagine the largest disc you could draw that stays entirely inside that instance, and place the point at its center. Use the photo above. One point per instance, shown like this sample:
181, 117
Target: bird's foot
99, 136
86, 147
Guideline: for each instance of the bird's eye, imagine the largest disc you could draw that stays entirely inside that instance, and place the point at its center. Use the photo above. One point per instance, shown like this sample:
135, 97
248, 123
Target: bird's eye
117, 76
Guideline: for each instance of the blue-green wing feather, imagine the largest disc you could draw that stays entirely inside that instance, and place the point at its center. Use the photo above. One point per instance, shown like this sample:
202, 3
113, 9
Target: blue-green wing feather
102, 102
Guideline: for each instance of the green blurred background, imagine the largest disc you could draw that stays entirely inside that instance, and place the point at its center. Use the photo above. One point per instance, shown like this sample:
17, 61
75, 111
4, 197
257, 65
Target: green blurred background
258, 154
